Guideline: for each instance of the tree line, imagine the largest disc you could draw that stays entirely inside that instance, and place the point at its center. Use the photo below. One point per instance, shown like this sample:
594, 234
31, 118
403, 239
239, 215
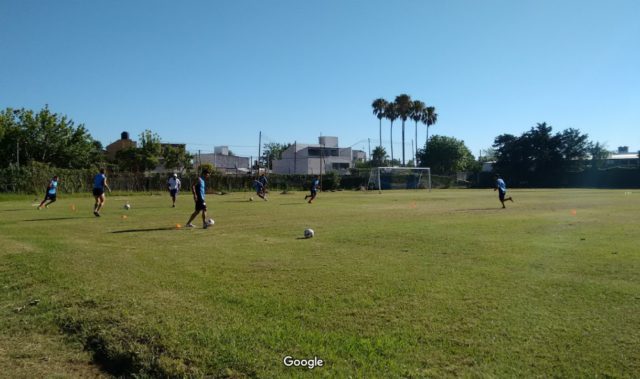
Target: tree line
403, 108
30, 138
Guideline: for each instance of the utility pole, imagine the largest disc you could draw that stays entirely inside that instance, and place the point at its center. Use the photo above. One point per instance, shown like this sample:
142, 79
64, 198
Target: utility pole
369, 156
259, 150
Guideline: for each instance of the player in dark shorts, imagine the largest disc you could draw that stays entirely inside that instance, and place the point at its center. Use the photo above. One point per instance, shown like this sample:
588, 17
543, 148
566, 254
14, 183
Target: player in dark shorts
315, 184
198, 189
99, 185
174, 185
51, 194
501, 187
261, 187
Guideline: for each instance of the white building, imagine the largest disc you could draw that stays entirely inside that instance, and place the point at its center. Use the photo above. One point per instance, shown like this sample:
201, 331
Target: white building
312, 159
223, 161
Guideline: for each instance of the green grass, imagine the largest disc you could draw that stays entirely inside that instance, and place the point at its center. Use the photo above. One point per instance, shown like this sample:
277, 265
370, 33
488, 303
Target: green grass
399, 284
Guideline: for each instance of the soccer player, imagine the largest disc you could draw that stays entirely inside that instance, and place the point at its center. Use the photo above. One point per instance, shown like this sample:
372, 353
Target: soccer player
502, 190
198, 189
261, 187
99, 184
174, 186
52, 191
315, 183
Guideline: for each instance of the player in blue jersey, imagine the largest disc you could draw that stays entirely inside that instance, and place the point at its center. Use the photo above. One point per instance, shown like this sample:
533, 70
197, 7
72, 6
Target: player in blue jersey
315, 184
501, 187
261, 187
51, 194
99, 185
198, 189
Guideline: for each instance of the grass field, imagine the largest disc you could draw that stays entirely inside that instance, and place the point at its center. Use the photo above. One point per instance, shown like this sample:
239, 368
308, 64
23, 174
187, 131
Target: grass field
399, 284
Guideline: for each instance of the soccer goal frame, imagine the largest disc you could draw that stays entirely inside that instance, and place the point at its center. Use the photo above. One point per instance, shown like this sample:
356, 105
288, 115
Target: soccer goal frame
415, 178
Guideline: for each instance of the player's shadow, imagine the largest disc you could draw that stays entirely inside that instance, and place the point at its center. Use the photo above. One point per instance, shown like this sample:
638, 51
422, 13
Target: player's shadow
56, 218
476, 209
142, 230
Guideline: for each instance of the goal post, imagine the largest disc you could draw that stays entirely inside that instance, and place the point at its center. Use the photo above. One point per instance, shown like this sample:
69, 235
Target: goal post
385, 178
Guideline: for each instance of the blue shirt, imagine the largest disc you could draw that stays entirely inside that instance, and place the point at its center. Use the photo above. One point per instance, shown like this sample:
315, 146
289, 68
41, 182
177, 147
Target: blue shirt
501, 185
98, 181
200, 190
314, 184
53, 187
263, 180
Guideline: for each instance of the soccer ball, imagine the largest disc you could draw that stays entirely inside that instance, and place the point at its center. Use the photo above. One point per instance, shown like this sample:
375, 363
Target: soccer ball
127, 206
308, 233
251, 198
210, 222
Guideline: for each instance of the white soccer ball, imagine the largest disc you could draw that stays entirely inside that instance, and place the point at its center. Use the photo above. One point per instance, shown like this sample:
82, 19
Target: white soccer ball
210, 222
127, 206
251, 199
308, 233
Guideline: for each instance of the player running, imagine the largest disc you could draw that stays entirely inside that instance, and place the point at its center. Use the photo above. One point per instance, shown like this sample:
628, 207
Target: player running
198, 189
174, 186
52, 191
99, 184
502, 190
315, 184
261, 187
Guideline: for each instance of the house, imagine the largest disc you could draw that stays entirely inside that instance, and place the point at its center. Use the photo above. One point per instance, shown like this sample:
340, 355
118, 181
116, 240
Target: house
223, 161
123, 143
311, 159
359, 156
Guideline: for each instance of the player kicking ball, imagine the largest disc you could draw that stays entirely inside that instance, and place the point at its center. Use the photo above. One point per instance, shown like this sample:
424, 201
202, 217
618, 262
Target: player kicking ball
198, 189
99, 184
501, 187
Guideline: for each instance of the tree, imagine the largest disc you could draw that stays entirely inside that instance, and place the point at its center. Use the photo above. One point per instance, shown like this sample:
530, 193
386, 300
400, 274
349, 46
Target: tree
27, 136
391, 114
599, 154
445, 155
273, 151
417, 113
574, 148
176, 158
379, 157
429, 117
403, 107
150, 149
539, 156
379, 105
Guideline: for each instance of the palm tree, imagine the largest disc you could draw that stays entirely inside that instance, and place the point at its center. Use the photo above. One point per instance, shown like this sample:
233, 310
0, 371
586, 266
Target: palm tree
379, 106
391, 114
403, 105
416, 114
429, 117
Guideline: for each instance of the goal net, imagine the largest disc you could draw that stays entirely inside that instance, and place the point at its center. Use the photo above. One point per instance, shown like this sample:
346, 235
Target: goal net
386, 178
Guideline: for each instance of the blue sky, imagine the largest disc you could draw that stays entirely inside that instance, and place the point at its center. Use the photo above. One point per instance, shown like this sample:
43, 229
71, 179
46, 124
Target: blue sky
211, 73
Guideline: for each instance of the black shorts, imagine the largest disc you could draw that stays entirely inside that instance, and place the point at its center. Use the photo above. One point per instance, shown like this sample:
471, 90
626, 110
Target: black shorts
98, 192
48, 196
173, 192
501, 194
201, 205
313, 192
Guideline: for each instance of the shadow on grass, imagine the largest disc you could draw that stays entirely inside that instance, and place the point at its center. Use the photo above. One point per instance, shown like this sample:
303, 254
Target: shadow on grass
477, 209
57, 218
143, 230
301, 203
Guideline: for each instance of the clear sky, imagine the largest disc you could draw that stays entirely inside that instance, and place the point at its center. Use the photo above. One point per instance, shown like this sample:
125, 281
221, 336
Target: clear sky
211, 73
